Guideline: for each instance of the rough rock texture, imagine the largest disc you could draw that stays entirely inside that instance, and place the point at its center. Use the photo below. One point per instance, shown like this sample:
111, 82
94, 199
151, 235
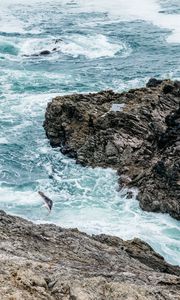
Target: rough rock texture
139, 137
48, 262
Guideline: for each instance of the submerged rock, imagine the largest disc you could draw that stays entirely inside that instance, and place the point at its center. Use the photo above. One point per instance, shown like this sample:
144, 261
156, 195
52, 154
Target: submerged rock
45, 52
48, 262
135, 132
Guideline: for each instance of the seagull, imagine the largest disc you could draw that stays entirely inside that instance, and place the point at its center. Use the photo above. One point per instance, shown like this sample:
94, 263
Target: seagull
48, 202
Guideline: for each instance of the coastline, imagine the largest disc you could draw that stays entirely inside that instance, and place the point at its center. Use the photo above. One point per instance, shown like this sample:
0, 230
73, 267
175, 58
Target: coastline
105, 150
48, 262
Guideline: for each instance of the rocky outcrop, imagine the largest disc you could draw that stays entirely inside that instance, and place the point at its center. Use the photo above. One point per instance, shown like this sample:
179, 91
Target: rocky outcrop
48, 262
135, 132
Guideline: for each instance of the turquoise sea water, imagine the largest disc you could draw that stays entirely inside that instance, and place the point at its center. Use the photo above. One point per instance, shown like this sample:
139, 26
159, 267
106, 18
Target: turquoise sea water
117, 45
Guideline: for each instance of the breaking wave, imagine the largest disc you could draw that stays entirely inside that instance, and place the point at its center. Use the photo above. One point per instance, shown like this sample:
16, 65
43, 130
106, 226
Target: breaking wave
90, 46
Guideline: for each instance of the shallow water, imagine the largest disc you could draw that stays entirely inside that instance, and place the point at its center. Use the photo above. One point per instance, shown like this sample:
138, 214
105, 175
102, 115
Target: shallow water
103, 46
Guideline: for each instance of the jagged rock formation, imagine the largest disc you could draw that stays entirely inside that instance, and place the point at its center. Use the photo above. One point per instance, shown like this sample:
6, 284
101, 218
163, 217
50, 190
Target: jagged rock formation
136, 132
48, 262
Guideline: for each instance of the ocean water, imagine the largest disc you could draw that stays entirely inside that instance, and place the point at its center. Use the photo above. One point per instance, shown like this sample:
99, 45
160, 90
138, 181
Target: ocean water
101, 45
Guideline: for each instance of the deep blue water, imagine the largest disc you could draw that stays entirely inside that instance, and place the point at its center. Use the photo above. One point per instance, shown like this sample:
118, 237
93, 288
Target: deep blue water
103, 46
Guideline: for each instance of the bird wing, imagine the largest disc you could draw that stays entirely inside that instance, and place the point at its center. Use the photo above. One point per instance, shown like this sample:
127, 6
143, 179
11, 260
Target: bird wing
47, 200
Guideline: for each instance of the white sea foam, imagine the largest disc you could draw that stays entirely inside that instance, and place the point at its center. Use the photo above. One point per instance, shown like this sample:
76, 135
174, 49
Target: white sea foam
3, 140
91, 46
9, 196
36, 45
27, 108
147, 10
121, 85
9, 23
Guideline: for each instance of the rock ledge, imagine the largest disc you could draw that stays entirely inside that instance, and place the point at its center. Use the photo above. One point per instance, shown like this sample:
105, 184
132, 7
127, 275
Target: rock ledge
48, 262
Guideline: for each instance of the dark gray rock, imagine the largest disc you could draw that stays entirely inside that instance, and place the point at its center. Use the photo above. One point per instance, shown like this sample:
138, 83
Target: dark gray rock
45, 52
153, 82
140, 140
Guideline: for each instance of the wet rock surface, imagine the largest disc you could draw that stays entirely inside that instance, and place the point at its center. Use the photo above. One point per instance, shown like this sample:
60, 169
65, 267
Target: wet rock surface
136, 132
48, 262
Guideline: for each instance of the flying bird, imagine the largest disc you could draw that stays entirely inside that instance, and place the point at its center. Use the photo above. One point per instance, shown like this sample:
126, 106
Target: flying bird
48, 202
